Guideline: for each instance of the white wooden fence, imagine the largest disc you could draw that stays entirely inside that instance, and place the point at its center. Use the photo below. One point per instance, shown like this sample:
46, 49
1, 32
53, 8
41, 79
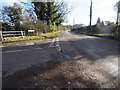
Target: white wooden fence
4, 34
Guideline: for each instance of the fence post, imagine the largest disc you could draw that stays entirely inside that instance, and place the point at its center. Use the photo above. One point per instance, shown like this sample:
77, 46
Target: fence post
22, 33
1, 35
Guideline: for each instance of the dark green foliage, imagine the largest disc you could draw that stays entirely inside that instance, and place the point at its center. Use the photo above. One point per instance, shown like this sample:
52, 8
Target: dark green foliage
51, 13
102, 23
7, 27
13, 14
98, 21
40, 9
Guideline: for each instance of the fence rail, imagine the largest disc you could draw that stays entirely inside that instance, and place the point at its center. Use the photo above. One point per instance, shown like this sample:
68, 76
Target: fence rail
4, 34
10, 31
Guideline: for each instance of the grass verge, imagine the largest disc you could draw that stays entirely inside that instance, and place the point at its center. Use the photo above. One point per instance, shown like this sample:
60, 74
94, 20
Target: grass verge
114, 36
43, 36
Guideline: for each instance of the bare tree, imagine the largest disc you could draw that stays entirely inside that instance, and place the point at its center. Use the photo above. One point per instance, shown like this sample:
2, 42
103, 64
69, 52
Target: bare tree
117, 7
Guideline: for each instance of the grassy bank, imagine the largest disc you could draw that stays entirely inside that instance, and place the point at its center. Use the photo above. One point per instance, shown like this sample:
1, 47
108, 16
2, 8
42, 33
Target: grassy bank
114, 36
42, 36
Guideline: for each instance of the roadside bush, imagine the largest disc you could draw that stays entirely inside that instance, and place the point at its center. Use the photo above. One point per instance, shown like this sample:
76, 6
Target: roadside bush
118, 30
27, 25
39, 27
7, 27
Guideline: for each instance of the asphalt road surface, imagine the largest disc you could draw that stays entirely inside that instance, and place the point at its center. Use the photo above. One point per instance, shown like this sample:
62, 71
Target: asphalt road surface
68, 45
103, 50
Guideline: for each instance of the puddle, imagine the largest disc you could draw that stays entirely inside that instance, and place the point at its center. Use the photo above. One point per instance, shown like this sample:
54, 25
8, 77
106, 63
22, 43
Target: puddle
29, 43
65, 56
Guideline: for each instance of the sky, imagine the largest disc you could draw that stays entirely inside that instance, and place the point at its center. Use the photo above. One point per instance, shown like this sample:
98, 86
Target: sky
80, 10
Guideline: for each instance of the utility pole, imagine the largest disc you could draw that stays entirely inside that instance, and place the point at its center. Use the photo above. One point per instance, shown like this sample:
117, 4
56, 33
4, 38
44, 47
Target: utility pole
90, 14
117, 22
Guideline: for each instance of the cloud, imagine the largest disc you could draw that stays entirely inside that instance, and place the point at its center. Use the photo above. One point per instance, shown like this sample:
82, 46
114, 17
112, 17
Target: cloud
69, 5
104, 9
103, 4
